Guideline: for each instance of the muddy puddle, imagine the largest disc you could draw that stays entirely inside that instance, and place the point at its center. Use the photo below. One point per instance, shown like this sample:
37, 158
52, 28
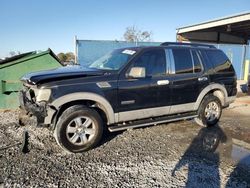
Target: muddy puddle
215, 143
236, 148
241, 155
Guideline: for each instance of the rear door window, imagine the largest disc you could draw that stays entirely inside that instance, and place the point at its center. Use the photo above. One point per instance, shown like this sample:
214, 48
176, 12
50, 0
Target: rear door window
183, 61
220, 61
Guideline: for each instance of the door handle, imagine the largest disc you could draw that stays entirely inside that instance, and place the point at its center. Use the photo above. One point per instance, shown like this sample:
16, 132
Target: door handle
162, 82
202, 79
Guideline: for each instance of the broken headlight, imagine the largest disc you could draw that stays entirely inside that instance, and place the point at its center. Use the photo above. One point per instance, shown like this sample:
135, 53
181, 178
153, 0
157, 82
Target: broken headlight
38, 95
43, 95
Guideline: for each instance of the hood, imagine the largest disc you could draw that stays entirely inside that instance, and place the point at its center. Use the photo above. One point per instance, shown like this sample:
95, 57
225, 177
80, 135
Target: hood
62, 73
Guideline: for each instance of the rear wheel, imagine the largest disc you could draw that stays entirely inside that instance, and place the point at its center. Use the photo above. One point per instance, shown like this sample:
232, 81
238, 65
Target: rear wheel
209, 111
78, 129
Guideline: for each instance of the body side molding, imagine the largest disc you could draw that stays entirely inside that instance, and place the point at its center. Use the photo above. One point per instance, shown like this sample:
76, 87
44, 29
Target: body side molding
152, 112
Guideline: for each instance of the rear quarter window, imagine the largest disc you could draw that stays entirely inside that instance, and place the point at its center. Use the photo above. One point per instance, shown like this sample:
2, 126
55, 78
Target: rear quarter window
220, 61
197, 62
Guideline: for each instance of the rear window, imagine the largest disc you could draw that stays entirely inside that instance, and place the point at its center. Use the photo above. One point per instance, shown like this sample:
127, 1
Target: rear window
220, 61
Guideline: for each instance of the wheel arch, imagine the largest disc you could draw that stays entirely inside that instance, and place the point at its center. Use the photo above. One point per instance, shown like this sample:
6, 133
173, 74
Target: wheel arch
217, 90
98, 102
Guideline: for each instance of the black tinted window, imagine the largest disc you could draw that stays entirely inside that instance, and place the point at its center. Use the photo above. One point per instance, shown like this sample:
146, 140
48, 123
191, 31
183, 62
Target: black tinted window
183, 61
220, 61
197, 61
153, 61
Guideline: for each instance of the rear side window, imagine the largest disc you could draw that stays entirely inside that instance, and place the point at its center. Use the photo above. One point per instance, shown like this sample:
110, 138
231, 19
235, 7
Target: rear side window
197, 62
220, 61
154, 62
183, 61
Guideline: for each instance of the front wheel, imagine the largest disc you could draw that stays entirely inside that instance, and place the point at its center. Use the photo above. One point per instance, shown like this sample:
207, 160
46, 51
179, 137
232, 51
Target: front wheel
209, 111
78, 129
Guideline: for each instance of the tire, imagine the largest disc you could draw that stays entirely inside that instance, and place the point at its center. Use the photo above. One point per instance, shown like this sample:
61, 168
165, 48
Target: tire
209, 111
78, 129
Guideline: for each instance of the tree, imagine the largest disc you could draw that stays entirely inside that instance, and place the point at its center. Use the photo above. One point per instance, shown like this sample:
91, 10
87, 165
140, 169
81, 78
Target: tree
133, 34
66, 57
70, 56
62, 57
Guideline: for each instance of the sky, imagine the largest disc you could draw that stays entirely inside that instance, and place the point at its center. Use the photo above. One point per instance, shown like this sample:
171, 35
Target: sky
28, 25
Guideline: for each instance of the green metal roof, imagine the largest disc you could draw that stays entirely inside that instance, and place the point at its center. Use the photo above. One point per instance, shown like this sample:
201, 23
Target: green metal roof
26, 56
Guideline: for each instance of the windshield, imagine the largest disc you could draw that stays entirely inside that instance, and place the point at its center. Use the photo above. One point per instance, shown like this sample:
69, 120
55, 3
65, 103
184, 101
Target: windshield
114, 60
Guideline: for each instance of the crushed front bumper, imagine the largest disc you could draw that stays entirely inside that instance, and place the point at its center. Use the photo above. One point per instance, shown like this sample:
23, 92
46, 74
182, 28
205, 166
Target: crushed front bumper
28, 107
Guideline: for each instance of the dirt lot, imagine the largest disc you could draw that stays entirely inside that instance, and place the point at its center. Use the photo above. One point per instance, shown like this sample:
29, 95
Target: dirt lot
174, 155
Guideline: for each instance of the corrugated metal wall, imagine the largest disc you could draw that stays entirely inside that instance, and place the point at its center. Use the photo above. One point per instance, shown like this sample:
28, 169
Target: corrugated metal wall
237, 55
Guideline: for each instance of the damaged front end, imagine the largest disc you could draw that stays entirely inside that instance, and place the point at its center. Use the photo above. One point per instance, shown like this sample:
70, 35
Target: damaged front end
33, 102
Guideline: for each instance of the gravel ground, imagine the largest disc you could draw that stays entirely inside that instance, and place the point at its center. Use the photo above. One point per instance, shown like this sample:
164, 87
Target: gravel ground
156, 156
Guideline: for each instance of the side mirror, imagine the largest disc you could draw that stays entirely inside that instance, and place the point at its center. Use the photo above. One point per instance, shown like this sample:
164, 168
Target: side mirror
137, 72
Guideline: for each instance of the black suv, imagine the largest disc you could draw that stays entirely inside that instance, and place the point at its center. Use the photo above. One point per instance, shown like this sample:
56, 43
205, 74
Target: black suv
129, 88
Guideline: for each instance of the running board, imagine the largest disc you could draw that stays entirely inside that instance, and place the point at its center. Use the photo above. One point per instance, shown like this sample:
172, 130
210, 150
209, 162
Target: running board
152, 122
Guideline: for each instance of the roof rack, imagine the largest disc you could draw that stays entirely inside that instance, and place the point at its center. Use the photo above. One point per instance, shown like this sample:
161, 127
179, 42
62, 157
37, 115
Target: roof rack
187, 44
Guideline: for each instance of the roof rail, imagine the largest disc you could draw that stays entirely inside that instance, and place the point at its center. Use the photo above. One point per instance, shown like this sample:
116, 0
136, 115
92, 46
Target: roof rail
187, 44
